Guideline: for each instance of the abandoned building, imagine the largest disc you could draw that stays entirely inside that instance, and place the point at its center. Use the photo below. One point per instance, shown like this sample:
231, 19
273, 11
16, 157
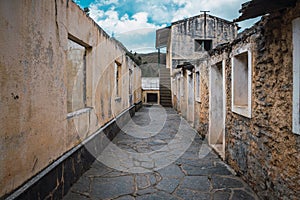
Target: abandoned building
242, 91
66, 86
62, 79
187, 42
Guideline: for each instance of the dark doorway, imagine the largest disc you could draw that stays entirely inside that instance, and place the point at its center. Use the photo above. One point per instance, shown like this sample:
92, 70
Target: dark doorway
151, 97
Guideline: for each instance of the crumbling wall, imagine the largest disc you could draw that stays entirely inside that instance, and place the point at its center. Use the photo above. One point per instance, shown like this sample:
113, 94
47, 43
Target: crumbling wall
262, 148
202, 107
181, 48
36, 126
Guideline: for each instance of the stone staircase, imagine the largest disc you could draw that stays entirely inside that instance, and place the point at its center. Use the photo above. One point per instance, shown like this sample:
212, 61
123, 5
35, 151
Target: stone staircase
165, 87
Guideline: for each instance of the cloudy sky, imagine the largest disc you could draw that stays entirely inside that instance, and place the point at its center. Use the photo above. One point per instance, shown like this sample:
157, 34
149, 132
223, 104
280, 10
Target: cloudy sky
134, 22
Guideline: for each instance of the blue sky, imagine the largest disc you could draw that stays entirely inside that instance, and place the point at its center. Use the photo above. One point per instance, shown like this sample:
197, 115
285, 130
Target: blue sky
134, 22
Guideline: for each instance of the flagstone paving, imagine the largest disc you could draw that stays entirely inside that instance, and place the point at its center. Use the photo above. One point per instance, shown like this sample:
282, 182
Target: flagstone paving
157, 155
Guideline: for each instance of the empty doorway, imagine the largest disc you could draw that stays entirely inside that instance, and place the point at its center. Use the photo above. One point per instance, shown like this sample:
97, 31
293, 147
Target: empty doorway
152, 98
217, 108
190, 99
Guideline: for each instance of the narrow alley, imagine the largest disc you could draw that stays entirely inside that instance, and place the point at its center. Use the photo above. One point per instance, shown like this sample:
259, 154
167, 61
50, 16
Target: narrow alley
210, 109
157, 155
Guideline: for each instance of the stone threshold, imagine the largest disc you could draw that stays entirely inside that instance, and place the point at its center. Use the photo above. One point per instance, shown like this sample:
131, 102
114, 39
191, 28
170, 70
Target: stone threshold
54, 181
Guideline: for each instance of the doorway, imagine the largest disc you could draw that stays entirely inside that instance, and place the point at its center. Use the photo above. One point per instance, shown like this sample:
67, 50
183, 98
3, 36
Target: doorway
190, 99
152, 98
217, 108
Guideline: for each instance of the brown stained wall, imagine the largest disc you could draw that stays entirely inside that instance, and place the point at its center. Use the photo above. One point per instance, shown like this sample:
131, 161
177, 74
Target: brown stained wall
35, 129
263, 149
202, 107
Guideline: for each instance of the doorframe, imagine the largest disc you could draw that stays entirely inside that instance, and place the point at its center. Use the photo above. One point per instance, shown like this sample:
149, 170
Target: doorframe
222, 154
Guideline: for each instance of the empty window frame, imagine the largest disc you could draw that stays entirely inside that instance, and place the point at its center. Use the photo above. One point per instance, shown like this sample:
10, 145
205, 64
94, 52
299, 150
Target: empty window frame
76, 75
118, 83
296, 76
242, 83
203, 45
197, 86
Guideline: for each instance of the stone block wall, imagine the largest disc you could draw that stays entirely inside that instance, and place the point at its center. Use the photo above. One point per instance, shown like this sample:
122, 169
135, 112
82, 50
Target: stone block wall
36, 126
202, 107
262, 148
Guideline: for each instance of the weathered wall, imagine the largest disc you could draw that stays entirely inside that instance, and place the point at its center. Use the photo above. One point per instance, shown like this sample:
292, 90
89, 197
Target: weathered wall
199, 109
263, 149
181, 48
202, 107
184, 32
137, 85
36, 127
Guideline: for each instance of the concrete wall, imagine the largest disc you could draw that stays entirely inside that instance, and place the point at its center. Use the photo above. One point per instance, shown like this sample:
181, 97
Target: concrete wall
184, 33
36, 126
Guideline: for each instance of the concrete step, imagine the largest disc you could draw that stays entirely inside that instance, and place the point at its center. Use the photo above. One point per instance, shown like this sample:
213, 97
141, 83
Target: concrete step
165, 93
165, 97
165, 87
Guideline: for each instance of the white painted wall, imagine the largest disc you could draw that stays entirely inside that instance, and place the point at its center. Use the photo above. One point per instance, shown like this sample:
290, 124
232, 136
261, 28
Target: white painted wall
150, 83
191, 98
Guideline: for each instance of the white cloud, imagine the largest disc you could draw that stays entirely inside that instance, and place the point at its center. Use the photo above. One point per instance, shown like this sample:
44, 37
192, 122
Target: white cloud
220, 8
96, 13
105, 2
112, 23
144, 17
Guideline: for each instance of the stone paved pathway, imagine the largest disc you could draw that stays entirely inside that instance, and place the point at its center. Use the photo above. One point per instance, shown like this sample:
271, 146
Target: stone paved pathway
157, 155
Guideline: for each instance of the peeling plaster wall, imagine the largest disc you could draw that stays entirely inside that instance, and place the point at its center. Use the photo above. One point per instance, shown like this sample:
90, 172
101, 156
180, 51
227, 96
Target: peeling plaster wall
35, 129
263, 149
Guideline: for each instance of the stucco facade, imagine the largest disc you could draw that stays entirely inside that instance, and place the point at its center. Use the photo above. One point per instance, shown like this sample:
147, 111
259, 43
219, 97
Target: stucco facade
51, 102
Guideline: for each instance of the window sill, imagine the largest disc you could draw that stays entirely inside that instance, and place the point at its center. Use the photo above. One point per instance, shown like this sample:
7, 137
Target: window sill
198, 100
242, 110
79, 112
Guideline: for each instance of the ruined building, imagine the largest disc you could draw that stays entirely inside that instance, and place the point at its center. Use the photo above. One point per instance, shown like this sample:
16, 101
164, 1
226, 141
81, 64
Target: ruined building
243, 93
67, 88
65, 85
188, 42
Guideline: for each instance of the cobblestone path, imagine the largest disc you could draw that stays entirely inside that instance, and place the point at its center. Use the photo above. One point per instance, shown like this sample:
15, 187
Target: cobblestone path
157, 155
